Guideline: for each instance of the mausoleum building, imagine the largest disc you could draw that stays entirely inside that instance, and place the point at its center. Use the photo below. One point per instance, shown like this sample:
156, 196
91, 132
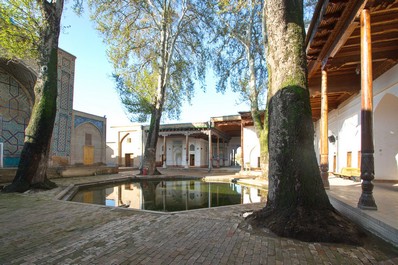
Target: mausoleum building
78, 137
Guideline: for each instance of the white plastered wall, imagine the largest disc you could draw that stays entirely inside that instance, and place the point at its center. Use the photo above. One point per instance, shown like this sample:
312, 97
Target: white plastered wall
251, 147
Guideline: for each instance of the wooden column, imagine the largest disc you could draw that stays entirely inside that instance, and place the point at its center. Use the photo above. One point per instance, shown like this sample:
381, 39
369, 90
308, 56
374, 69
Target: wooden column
186, 151
119, 150
242, 166
324, 132
218, 151
366, 201
224, 150
164, 151
210, 152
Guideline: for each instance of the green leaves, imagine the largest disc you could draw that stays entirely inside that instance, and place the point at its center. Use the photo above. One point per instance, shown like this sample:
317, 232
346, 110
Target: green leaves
156, 47
20, 24
239, 59
138, 96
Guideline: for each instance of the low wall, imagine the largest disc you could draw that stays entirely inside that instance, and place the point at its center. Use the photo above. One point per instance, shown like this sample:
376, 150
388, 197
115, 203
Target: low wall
8, 174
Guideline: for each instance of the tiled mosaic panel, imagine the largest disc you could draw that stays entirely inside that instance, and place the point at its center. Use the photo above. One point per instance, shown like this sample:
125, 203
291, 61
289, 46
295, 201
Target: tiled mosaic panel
63, 122
99, 124
15, 111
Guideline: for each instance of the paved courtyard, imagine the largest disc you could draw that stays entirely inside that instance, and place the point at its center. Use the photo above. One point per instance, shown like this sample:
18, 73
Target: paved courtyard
38, 229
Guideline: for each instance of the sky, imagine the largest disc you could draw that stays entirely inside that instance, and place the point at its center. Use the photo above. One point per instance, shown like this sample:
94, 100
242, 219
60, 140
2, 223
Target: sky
94, 89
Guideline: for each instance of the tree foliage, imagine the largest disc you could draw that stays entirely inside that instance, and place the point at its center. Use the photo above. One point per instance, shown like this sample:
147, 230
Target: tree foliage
238, 50
239, 58
309, 8
157, 49
152, 40
20, 26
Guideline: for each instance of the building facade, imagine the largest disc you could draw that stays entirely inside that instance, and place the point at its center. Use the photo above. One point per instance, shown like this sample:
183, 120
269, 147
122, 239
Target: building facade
217, 143
78, 137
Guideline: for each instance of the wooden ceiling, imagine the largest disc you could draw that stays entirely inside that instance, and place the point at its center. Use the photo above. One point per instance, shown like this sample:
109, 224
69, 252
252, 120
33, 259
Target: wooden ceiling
230, 125
333, 42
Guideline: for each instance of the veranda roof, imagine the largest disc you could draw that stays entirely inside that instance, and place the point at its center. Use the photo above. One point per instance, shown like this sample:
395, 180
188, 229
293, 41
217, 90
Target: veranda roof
333, 41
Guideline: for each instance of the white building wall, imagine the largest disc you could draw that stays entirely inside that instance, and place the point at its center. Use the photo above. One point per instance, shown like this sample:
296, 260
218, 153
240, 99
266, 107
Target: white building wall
201, 152
131, 142
176, 151
111, 153
386, 125
233, 151
251, 148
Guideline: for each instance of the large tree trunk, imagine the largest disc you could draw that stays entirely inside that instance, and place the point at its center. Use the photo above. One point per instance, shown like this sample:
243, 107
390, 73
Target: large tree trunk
297, 204
32, 168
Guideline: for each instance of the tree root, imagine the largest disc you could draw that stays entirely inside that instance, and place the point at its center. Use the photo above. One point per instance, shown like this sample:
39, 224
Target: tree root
310, 225
23, 185
45, 185
17, 186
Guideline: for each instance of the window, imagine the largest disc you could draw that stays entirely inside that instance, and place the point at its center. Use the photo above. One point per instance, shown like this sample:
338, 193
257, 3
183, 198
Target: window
192, 147
88, 140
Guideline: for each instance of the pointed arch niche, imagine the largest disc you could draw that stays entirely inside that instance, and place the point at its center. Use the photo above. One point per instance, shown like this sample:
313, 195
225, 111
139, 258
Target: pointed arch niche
386, 134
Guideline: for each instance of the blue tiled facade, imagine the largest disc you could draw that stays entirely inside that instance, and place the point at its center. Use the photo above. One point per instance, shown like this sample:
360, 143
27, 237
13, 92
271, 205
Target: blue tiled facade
15, 109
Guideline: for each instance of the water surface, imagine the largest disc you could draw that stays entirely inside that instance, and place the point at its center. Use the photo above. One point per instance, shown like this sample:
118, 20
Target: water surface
171, 195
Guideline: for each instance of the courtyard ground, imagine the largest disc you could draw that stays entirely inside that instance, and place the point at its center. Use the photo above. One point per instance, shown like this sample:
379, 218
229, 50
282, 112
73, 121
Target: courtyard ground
36, 228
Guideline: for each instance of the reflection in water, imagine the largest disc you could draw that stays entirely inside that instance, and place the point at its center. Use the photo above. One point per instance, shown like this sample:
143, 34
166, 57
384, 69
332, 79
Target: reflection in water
169, 196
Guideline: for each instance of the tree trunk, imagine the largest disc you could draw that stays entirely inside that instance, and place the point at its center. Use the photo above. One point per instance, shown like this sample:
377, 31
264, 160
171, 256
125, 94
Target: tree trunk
297, 204
32, 168
149, 162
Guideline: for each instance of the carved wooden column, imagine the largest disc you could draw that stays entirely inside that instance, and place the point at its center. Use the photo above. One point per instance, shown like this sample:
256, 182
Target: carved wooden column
366, 201
164, 152
324, 132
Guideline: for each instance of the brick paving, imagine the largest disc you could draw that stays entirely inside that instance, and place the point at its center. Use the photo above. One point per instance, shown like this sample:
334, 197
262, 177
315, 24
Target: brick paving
38, 229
